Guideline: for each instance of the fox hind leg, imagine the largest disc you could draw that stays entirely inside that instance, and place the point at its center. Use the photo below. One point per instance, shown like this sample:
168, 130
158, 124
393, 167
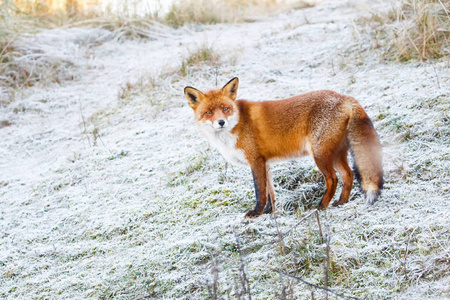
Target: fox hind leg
325, 165
269, 207
341, 165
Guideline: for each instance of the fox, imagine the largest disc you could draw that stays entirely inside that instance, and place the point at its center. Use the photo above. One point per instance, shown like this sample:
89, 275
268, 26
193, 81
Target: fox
323, 124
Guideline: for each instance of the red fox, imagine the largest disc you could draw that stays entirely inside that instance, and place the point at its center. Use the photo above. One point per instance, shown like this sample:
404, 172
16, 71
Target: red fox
324, 124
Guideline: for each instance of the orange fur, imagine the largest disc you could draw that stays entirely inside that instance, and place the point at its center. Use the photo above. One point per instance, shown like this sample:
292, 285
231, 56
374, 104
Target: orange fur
324, 124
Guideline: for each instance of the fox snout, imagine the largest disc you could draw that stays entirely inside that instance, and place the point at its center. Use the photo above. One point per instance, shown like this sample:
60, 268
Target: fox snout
219, 124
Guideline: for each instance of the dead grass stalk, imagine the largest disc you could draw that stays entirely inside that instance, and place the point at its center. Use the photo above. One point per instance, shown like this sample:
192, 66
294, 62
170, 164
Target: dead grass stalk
413, 29
424, 32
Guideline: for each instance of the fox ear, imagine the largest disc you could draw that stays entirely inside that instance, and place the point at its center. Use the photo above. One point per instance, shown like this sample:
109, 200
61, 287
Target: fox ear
193, 96
231, 87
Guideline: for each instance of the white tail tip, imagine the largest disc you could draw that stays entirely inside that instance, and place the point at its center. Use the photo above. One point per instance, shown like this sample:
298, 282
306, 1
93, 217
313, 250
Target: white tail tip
371, 197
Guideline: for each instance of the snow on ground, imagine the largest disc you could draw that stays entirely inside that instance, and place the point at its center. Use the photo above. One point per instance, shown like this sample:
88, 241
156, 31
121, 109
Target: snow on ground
104, 197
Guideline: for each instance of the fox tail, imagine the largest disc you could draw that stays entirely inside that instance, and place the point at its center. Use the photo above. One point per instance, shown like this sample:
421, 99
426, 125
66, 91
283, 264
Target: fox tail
366, 151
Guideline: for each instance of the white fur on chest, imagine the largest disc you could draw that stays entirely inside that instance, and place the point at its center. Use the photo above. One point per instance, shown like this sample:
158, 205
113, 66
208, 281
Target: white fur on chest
225, 142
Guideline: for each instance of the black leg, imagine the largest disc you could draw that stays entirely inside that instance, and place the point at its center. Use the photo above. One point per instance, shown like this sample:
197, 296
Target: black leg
260, 182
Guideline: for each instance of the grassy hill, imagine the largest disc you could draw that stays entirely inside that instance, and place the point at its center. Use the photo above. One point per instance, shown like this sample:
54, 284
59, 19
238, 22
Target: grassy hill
108, 191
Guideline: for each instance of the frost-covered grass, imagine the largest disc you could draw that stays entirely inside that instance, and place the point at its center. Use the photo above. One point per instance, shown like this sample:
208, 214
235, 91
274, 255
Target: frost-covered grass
50, 57
24, 66
108, 191
412, 29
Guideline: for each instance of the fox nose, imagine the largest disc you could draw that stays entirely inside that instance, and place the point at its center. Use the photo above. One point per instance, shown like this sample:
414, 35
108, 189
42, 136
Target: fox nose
221, 123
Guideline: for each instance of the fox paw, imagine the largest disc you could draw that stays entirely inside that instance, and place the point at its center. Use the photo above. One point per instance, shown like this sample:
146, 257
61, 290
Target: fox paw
322, 207
252, 214
337, 203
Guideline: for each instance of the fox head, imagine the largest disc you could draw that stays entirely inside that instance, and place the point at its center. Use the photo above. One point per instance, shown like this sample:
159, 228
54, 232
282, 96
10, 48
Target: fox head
215, 110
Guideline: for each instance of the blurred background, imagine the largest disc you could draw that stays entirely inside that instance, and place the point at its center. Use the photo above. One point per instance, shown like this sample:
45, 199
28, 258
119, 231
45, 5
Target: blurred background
70, 9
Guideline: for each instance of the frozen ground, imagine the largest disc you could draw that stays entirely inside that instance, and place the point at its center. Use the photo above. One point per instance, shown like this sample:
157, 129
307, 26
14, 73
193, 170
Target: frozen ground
119, 197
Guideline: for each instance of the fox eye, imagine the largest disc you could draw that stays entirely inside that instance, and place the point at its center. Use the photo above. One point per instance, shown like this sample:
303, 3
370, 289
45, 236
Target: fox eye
209, 112
226, 109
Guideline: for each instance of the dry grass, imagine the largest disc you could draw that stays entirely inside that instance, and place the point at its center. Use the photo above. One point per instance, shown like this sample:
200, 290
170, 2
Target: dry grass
425, 30
203, 55
224, 11
413, 29
49, 13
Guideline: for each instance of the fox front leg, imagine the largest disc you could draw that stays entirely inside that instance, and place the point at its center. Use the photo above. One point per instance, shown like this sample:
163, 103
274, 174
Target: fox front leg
260, 181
